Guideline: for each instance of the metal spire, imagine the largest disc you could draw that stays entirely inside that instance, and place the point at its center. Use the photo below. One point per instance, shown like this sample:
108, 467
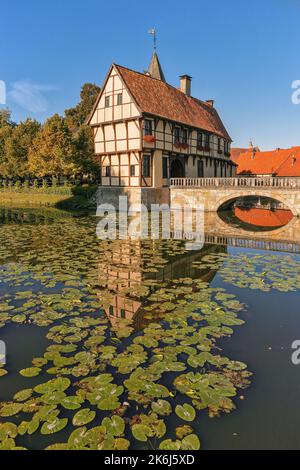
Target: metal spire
154, 34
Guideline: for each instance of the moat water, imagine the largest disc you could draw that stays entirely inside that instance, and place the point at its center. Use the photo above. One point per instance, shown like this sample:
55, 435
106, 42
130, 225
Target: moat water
143, 344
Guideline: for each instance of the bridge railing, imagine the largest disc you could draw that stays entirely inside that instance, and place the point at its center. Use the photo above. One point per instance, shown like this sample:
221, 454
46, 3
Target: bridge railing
286, 183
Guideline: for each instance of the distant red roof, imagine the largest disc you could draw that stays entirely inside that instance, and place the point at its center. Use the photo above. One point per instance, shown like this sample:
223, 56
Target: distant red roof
264, 217
236, 152
158, 98
281, 162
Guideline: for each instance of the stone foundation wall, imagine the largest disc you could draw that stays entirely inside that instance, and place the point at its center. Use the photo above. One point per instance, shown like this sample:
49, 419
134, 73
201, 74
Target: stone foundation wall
136, 196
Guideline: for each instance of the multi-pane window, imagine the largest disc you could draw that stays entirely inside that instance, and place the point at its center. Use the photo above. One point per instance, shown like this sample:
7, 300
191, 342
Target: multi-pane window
165, 167
107, 171
176, 135
107, 101
199, 139
123, 313
219, 145
184, 136
148, 127
132, 170
207, 141
147, 166
119, 99
200, 169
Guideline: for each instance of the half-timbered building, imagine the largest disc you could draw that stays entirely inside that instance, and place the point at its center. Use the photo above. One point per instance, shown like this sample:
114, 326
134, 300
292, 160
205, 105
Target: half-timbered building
147, 131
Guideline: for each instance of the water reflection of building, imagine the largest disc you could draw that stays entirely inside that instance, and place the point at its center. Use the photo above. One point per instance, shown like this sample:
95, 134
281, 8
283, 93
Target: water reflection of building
123, 275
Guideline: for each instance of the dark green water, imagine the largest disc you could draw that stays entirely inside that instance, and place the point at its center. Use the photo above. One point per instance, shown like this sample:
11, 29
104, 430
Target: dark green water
140, 316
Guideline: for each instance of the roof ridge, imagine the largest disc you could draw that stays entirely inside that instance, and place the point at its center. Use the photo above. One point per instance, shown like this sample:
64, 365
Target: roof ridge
165, 83
162, 99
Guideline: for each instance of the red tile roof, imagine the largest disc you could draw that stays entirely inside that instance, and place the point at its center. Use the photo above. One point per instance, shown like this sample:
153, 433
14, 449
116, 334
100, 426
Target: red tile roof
281, 162
161, 99
236, 152
264, 217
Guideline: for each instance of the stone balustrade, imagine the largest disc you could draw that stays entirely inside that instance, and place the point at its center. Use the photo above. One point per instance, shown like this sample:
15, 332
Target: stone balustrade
286, 183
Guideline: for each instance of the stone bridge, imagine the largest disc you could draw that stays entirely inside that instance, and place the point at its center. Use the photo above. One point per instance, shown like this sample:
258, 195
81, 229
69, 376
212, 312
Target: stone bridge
214, 192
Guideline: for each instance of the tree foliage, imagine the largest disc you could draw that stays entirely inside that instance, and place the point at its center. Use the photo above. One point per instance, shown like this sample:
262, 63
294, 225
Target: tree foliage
52, 150
62, 146
17, 147
76, 117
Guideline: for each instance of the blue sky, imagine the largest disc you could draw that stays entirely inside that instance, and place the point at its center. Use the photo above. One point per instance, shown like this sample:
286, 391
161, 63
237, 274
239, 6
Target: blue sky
243, 54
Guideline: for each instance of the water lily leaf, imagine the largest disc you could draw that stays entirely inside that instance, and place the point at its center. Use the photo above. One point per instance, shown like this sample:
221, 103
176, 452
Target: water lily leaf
33, 426
22, 428
54, 426
168, 444
30, 372
77, 439
7, 444
8, 430
56, 447
191, 442
19, 318
60, 385
141, 432
162, 407
23, 395
84, 416
114, 426
236, 366
109, 404
183, 431
72, 402
185, 412
53, 398
121, 444
10, 409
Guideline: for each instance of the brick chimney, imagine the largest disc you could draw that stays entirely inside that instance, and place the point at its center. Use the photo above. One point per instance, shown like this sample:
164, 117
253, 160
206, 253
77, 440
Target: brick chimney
186, 84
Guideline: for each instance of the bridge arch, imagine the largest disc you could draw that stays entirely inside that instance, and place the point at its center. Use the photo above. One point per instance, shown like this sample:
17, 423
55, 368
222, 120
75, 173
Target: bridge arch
233, 195
214, 192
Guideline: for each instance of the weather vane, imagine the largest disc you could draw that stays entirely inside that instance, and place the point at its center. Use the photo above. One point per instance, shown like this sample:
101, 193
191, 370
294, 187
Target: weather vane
153, 33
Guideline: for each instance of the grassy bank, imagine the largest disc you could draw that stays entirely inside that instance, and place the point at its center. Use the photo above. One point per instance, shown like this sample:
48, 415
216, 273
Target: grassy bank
68, 198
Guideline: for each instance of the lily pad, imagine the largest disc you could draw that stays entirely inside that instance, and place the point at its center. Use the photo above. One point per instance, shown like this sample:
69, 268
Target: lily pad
185, 412
54, 426
30, 372
84, 416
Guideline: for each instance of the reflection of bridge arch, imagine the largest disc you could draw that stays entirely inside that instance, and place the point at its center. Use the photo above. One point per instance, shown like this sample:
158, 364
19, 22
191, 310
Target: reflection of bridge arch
288, 231
285, 238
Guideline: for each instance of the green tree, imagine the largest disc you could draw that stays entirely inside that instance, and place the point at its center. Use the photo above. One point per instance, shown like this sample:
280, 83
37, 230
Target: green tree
52, 151
6, 130
17, 147
76, 117
84, 159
